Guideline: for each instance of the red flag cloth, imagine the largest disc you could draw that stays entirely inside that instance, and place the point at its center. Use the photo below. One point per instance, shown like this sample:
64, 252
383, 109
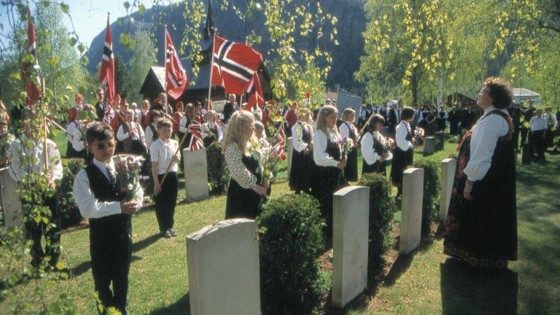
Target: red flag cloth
175, 76
107, 73
234, 65
280, 140
255, 90
31, 88
196, 135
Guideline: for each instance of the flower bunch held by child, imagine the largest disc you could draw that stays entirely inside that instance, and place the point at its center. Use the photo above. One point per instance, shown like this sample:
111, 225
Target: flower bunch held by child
419, 134
346, 146
128, 168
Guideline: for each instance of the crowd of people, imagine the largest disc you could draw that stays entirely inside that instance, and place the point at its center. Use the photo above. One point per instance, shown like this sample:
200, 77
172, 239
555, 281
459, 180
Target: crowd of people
324, 145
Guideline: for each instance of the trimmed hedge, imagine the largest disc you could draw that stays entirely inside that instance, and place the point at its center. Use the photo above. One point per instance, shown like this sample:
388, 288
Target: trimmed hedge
431, 193
218, 173
382, 208
290, 240
69, 212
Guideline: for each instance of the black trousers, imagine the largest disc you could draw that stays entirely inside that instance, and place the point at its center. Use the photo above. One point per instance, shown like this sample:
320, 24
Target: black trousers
539, 143
166, 201
111, 252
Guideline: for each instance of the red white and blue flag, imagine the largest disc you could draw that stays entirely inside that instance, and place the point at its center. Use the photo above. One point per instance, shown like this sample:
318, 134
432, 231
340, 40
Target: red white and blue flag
196, 135
175, 76
280, 139
31, 88
255, 91
107, 73
234, 65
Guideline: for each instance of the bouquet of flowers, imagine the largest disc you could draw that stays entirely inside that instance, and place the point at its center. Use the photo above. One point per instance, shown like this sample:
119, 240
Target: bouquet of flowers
346, 146
419, 134
128, 168
389, 145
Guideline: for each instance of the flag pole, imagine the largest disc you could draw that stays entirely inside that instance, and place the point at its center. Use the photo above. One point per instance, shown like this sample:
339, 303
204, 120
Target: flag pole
165, 65
211, 68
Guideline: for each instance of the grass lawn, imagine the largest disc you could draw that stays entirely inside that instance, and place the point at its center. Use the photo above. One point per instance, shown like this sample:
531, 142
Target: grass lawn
420, 283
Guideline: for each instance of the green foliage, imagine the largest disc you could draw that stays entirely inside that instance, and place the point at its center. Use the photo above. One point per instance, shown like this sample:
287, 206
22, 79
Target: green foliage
290, 240
69, 212
218, 174
143, 57
431, 192
381, 211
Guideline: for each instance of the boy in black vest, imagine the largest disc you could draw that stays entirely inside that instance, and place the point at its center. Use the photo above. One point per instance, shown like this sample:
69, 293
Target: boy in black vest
97, 195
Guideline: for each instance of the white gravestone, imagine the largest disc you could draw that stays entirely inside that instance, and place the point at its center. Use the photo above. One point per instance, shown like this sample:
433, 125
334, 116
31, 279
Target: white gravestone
223, 269
429, 145
290, 154
411, 218
350, 244
13, 209
448, 167
196, 174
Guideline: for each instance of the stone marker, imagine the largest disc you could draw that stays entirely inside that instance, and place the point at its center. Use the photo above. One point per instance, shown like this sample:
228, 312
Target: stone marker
13, 209
196, 174
429, 145
411, 218
440, 140
290, 154
223, 269
350, 244
448, 167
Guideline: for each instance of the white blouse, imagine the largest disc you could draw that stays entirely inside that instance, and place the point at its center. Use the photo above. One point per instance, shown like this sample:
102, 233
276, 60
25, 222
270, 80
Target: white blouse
237, 169
320, 156
485, 135
297, 135
369, 154
400, 136
135, 128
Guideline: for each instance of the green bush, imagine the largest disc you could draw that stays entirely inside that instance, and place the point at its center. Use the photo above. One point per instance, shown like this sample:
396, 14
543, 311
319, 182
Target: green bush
382, 208
290, 240
69, 212
218, 174
431, 193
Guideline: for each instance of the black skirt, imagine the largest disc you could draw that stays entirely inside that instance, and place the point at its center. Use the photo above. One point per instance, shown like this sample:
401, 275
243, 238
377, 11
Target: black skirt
351, 169
401, 160
241, 202
302, 165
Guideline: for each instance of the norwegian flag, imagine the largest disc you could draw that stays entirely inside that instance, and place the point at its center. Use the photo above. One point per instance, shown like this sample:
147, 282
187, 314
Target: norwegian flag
107, 73
196, 138
175, 76
280, 138
33, 93
255, 90
234, 65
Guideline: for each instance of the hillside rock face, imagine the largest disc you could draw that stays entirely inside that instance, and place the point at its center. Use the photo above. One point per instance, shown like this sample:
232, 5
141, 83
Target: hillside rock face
346, 56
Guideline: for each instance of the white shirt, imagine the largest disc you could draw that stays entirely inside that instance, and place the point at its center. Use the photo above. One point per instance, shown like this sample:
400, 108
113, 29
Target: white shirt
538, 123
183, 124
320, 156
485, 135
74, 135
297, 135
344, 130
89, 206
552, 117
17, 151
162, 153
368, 153
135, 128
400, 136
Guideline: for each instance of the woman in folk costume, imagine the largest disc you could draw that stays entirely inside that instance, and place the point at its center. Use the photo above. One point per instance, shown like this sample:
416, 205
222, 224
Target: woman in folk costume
481, 226
211, 130
375, 150
246, 187
131, 135
330, 163
302, 154
403, 153
349, 131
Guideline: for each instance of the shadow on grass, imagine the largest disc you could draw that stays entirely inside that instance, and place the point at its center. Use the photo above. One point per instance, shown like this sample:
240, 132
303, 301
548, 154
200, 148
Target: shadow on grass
469, 290
138, 246
81, 269
181, 306
399, 267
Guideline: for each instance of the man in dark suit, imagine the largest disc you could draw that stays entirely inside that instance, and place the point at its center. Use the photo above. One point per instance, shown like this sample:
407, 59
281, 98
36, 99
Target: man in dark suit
229, 108
393, 117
